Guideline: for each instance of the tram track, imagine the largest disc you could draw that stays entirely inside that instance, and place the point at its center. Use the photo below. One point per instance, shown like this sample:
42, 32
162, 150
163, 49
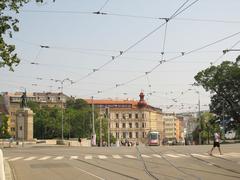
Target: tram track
212, 163
174, 166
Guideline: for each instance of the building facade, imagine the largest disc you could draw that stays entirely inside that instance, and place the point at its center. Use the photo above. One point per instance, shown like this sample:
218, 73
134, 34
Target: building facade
131, 120
12, 103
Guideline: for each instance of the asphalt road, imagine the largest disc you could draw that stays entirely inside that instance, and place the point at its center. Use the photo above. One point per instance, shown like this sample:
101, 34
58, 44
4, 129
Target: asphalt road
90, 163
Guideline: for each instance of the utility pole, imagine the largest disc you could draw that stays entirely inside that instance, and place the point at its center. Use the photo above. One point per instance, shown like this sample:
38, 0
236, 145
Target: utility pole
62, 81
199, 118
93, 126
100, 133
107, 115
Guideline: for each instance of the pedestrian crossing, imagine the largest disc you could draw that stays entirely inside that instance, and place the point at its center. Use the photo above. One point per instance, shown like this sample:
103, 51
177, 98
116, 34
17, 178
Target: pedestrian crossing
118, 156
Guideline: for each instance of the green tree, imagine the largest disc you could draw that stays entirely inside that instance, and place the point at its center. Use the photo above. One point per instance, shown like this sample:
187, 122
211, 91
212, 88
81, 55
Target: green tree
78, 117
8, 25
4, 126
223, 81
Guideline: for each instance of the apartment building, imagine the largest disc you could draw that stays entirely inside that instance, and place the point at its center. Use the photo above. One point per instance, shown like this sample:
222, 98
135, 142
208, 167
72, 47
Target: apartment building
130, 119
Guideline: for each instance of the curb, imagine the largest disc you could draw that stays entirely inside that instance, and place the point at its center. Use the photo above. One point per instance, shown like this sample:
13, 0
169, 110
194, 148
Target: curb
2, 171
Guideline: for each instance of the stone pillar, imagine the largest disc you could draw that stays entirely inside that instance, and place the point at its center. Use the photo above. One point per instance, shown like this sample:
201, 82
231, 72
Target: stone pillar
24, 124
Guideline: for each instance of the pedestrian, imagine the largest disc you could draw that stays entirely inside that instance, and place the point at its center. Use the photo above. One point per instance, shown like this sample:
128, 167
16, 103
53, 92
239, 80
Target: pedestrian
79, 140
216, 143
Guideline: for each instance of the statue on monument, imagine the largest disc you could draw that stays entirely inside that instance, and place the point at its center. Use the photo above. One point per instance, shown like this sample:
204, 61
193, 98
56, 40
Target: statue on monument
24, 100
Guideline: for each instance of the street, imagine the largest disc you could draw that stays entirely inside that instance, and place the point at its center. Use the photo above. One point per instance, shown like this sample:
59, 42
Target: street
40, 162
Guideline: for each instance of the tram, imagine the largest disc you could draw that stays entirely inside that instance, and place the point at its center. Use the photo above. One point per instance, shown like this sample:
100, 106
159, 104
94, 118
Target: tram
153, 138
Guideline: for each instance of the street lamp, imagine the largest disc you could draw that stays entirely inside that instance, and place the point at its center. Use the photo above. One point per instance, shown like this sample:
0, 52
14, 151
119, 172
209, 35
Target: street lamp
199, 115
93, 126
62, 81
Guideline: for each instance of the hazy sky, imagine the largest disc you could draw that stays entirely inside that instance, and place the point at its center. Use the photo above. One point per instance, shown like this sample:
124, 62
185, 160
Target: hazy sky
81, 43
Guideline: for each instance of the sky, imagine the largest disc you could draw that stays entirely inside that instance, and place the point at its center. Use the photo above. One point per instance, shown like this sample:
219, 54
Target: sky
127, 49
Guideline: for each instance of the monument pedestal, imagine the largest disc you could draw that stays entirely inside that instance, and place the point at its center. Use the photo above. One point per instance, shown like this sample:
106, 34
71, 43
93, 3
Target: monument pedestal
24, 124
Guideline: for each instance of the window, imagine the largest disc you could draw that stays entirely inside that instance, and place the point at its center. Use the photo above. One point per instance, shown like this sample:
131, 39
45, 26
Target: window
143, 134
117, 125
130, 125
143, 115
117, 116
136, 116
136, 125
124, 117
124, 134
124, 125
136, 134
130, 134
142, 125
130, 116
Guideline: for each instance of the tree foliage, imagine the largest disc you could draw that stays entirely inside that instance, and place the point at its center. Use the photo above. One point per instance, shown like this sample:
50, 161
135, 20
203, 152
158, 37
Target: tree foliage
4, 126
76, 120
8, 25
223, 81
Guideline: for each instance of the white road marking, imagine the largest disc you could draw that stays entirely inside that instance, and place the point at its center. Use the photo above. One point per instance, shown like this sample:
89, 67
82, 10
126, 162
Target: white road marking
30, 158
88, 157
157, 155
58, 158
44, 158
145, 156
130, 156
73, 157
200, 155
182, 155
15, 159
116, 157
102, 157
171, 155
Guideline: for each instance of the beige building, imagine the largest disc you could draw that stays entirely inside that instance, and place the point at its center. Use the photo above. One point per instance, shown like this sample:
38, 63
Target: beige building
173, 127
131, 120
12, 103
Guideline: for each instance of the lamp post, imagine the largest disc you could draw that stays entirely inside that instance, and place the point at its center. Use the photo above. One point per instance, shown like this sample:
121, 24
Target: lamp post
199, 116
93, 126
62, 81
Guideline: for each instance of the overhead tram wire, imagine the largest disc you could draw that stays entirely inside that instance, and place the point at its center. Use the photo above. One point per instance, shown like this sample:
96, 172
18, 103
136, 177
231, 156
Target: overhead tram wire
176, 13
103, 6
131, 16
224, 52
175, 58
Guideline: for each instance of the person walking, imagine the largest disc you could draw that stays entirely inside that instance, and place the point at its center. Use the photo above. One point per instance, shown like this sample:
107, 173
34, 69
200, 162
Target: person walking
216, 143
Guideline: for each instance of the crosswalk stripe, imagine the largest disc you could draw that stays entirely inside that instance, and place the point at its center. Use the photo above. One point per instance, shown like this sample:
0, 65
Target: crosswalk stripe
30, 158
200, 155
145, 156
102, 157
88, 157
157, 155
15, 159
116, 157
44, 158
182, 155
171, 155
73, 157
59, 158
130, 156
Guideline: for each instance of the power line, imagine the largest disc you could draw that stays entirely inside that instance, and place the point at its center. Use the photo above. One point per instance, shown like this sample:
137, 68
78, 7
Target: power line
177, 57
176, 13
224, 52
103, 6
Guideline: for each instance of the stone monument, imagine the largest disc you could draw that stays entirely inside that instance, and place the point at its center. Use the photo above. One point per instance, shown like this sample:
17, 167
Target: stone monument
24, 121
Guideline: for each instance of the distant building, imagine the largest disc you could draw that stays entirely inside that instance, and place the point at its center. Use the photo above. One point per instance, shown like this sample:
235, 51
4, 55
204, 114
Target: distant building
131, 120
11, 102
173, 127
